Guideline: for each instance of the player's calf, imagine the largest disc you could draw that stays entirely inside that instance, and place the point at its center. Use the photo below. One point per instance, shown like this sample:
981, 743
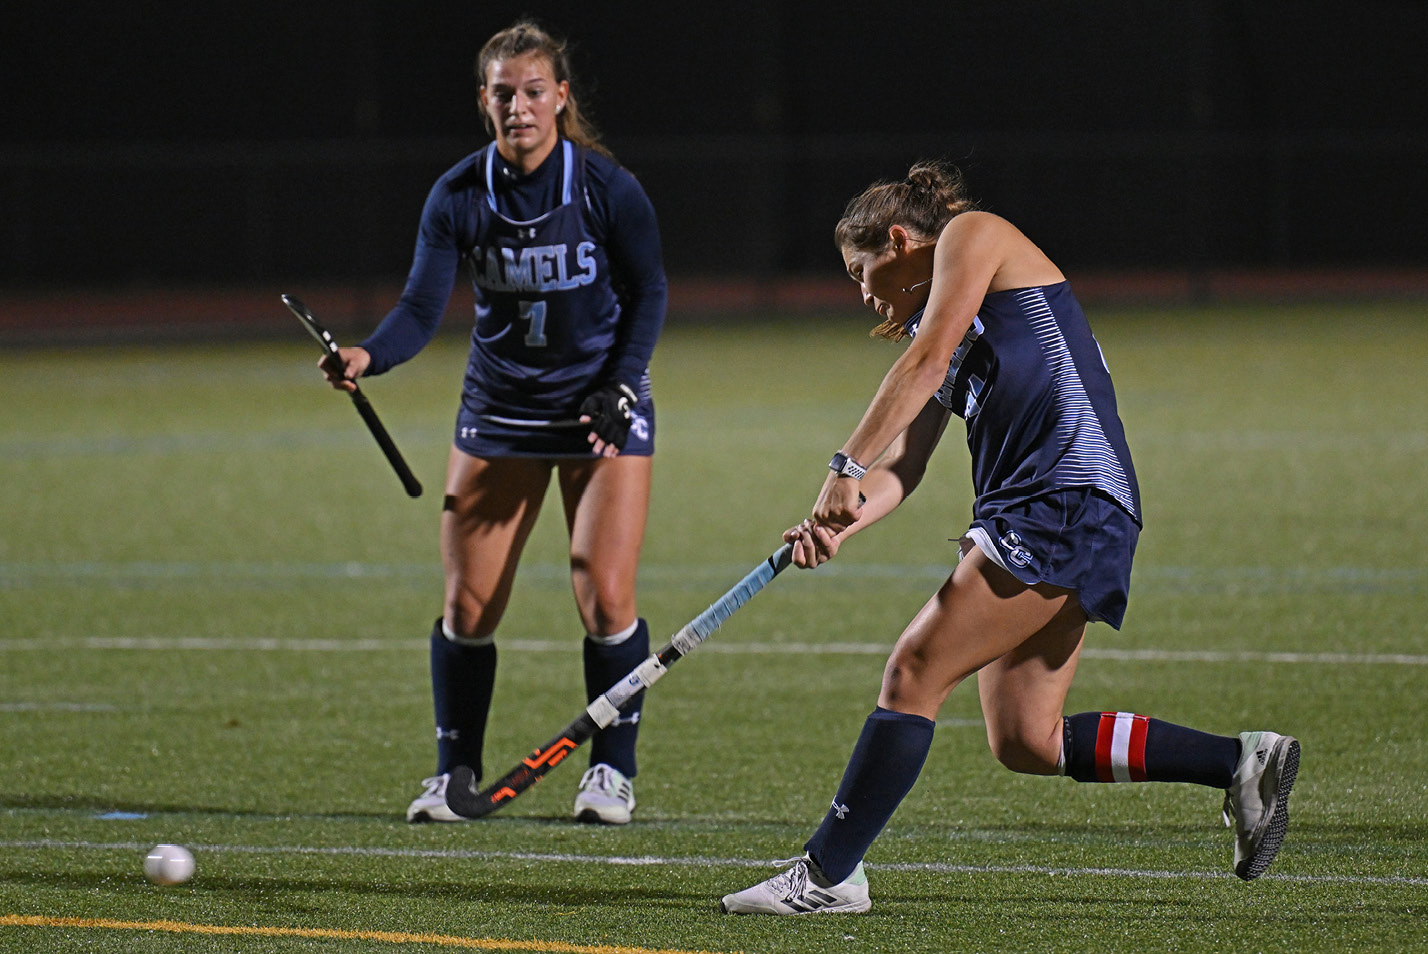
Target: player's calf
1124, 747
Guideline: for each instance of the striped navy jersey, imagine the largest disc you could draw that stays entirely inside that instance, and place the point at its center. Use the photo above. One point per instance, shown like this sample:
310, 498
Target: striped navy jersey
568, 279
1032, 385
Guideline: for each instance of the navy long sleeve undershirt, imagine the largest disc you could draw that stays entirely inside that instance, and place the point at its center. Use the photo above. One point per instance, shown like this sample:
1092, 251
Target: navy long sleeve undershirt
619, 210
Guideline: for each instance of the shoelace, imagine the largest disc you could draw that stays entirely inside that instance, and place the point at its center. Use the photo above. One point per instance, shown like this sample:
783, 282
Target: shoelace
603, 778
791, 883
436, 785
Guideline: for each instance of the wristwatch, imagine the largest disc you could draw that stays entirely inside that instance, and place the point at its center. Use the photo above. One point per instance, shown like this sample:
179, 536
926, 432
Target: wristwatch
845, 466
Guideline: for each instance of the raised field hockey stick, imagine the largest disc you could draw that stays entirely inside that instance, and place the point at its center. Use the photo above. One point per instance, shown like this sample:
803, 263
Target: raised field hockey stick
364, 407
462, 795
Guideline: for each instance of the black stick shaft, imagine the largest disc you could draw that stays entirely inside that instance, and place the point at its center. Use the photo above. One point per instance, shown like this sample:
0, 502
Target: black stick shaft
462, 794
364, 407
384, 441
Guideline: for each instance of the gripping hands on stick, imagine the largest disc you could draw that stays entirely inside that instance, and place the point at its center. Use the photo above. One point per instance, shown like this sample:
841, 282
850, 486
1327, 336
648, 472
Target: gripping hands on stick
332, 361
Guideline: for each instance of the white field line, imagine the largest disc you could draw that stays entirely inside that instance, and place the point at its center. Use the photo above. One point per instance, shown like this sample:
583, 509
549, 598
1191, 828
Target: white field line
267, 644
655, 861
1240, 579
54, 706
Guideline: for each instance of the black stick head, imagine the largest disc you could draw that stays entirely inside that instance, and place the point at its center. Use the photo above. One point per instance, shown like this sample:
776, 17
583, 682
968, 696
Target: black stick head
463, 795
313, 326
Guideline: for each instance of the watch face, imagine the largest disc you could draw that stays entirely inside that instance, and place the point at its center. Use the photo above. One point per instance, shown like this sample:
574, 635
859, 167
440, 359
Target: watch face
845, 466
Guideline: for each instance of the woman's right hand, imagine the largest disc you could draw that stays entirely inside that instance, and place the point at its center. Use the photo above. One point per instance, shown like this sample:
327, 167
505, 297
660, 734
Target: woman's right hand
813, 544
343, 370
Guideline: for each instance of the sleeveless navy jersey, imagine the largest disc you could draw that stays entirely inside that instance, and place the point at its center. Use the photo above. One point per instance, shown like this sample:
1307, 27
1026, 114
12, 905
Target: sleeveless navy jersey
546, 311
1032, 385
569, 286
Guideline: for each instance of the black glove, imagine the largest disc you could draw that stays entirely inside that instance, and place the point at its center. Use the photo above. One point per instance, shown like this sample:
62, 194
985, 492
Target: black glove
609, 410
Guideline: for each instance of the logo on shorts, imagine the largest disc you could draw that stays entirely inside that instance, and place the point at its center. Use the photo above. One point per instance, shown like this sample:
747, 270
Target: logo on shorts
1016, 551
640, 427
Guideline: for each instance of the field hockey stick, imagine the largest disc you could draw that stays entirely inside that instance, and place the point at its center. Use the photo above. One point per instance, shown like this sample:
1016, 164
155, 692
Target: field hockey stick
364, 407
462, 795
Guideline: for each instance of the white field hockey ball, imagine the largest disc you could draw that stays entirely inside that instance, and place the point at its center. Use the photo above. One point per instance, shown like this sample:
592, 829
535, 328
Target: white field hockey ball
168, 864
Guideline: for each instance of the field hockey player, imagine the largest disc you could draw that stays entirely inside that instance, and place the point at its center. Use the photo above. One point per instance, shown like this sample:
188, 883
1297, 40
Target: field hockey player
998, 339
563, 250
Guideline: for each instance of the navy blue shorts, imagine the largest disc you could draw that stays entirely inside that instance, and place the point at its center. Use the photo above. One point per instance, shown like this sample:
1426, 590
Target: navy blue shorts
1075, 538
482, 435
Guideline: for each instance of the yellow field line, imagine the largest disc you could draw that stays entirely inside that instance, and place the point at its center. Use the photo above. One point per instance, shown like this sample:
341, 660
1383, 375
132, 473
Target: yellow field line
391, 937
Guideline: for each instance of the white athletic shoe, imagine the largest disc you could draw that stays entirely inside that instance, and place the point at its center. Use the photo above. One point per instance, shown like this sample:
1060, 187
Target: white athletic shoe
606, 796
1257, 801
430, 805
801, 890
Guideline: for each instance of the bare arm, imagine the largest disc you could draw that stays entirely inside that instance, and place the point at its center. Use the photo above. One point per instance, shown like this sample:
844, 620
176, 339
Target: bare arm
969, 253
888, 483
898, 472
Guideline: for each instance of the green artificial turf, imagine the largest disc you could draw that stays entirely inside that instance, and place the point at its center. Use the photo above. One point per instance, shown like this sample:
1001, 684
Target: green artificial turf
214, 601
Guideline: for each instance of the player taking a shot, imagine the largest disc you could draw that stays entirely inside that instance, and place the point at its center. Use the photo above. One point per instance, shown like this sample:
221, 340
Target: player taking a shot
997, 339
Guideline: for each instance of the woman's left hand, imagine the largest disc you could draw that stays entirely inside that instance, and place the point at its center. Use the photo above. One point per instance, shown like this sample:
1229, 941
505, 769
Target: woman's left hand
815, 540
840, 503
609, 411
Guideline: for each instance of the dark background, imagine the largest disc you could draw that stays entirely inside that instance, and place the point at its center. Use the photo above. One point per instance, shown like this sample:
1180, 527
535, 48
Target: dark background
261, 143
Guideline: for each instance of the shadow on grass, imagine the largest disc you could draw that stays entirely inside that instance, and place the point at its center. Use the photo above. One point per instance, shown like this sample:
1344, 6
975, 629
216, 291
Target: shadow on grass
70, 804
1079, 910
1410, 831
500, 889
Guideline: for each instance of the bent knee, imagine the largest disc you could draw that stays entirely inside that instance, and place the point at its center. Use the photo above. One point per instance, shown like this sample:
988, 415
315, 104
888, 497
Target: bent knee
912, 684
1024, 752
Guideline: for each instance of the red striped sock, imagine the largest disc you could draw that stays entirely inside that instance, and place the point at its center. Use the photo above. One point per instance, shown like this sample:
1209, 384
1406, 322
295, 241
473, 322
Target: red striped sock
1125, 747
1120, 747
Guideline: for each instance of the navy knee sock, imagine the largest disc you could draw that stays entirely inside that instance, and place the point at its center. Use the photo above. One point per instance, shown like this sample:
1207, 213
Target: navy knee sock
1123, 747
885, 763
606, 665
462, 677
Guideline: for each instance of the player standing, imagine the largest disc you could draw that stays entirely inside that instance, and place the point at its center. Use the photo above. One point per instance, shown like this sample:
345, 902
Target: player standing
998, 340
563, 249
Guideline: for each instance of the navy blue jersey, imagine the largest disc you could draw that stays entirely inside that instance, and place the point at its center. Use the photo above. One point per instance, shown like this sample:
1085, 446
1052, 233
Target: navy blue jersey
1031, 383
569, 284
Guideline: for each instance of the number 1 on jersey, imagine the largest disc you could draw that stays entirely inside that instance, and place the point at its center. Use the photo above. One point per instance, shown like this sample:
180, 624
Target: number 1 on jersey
534, 312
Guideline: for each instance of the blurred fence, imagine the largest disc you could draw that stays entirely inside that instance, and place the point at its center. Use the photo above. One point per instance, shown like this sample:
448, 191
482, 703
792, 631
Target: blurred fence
762, 208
